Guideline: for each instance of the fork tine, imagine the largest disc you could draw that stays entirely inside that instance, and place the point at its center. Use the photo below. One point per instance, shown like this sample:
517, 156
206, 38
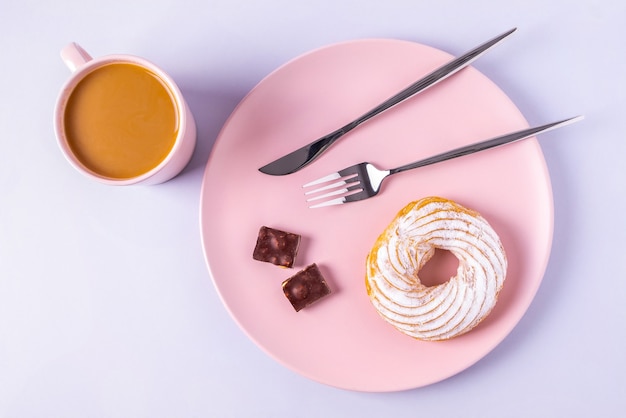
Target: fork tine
358, 194
339, 192
331, 202
340, 187
327, 187
325, 179
342, 181
345, 173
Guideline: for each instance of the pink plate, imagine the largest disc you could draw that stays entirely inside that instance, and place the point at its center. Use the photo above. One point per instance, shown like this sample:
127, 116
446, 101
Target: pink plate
340, 340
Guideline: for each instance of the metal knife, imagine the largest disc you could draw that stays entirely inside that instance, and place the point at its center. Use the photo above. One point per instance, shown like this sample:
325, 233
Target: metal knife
301, 157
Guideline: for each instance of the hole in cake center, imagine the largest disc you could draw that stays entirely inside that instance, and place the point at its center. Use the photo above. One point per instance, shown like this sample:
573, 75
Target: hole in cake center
439, 269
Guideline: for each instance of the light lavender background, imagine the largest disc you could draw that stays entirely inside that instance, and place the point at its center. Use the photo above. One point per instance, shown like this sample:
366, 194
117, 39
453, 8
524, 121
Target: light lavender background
106, 306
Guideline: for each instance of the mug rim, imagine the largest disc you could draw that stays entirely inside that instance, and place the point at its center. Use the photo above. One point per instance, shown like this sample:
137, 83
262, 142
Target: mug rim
77, 76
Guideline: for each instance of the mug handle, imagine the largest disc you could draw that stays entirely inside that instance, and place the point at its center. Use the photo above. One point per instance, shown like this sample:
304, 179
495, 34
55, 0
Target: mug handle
74, 56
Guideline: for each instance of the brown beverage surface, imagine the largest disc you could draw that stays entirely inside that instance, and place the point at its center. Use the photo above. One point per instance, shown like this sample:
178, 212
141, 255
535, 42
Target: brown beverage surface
121, 120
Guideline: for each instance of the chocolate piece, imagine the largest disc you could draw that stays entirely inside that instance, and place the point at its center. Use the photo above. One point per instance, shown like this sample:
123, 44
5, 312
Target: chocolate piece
305, 287
276, 247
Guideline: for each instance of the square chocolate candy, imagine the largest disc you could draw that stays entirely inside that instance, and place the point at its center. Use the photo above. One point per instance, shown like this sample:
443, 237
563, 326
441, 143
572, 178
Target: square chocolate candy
305, 287
276, 247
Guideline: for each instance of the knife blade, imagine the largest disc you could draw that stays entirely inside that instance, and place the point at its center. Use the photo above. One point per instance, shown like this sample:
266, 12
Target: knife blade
300, 158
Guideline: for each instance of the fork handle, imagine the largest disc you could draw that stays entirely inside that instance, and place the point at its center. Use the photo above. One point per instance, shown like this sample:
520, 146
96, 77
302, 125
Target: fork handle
484, 145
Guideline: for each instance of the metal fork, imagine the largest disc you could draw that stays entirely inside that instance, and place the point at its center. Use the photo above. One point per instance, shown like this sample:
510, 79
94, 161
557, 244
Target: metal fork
362, 181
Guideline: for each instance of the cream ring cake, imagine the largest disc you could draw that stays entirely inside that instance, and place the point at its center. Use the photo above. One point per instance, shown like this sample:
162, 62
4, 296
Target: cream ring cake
451, 308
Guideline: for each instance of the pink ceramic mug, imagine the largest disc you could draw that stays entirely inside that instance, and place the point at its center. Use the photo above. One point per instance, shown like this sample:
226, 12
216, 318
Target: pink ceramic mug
176, 153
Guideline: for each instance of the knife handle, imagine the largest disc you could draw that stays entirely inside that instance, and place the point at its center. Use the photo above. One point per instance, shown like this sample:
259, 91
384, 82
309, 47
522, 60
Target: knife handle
429, 80
326, 141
